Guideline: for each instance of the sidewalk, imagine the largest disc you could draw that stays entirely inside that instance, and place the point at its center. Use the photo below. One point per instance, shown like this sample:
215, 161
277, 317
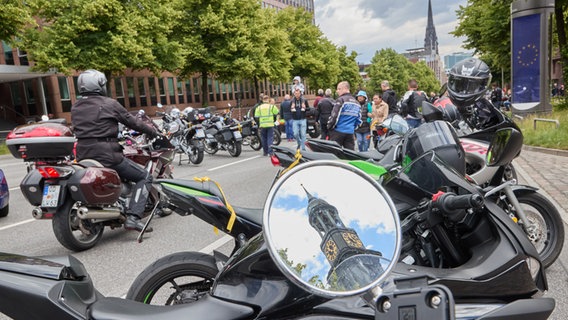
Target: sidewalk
548, 169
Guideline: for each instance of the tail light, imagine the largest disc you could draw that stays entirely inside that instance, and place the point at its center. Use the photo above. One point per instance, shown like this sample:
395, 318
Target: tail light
54, 172
275, 161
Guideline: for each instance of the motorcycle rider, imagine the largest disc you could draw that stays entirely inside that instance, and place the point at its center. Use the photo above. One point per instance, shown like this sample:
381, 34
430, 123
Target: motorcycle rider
468, 82
95, 118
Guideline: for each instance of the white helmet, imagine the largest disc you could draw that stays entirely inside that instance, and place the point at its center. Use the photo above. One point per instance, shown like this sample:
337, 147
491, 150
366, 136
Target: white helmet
175, 113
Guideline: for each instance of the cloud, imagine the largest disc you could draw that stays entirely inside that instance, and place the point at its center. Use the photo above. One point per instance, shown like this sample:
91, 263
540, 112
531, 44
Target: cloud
366, 26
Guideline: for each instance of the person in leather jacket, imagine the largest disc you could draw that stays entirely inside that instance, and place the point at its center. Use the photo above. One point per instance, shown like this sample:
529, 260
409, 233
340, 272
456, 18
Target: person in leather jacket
95, 119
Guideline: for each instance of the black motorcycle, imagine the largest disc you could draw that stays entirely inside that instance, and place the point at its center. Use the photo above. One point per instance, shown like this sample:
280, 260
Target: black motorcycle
219, 136
185, 133
322, 254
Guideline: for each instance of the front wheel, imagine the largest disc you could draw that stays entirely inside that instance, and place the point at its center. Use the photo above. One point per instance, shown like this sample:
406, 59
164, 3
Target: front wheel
234, 148
72, 232
209, 148
548, 233
255, 142
277, 137
178, 278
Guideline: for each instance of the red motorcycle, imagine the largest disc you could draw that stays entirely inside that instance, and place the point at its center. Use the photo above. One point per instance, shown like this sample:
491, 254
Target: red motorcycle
81, 198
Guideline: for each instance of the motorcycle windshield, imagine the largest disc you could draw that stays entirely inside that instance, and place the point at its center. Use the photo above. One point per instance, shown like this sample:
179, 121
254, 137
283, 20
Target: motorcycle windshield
396, 124
431, 174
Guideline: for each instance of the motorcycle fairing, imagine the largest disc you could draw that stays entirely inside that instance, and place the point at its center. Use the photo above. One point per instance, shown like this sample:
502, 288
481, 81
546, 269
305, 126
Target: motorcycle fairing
208, 307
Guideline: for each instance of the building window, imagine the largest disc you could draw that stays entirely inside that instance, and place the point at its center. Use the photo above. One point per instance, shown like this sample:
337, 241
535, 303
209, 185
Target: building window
171, 90
142, 90
162, 91
119, 88
188, 92
152, 88
179, 84
23, 57
8, 55
76, 86
16, 97
131, 94
196, 89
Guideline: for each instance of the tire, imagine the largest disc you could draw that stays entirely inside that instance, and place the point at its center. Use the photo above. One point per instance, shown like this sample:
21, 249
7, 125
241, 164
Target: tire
195, 155
255, 142
234, 148
66, 226
277, 137
209, 149
187, 276
549, 239
4, 211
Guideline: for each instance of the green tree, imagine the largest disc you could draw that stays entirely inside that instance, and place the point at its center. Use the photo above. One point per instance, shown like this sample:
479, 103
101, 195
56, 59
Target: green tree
14, 15
108, 35
349, 69
314, 57
218, 37
425, 76
387, 64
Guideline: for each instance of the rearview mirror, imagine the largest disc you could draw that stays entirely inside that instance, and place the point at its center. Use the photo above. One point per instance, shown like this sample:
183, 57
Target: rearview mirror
159, 105
331, 229
505, 146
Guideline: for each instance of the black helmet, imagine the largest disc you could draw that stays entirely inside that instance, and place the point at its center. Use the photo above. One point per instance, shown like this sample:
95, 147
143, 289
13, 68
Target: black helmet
467, 82
92, 81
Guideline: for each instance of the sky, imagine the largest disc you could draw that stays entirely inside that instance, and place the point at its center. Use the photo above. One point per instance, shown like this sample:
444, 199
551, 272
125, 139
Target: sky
366, 26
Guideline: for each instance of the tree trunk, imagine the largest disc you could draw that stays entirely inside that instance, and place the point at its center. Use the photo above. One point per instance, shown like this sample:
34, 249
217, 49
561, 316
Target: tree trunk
256, 88
204, 90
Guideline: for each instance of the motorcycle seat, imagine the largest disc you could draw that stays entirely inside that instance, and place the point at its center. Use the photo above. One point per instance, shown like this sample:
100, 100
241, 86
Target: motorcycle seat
86, 163
251, 214
372, 154
208, 307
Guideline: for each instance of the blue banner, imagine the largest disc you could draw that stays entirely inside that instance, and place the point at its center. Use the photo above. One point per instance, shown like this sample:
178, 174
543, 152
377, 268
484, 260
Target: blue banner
526, 59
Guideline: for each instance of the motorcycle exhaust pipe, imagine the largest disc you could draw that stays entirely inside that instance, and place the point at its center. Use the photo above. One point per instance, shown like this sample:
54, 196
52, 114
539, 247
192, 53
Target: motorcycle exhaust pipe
85, 213
37, 213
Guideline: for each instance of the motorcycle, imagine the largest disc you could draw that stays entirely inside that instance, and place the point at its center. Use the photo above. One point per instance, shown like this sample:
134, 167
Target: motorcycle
535, 214
219, 136
185, 133
81, 198
347, 251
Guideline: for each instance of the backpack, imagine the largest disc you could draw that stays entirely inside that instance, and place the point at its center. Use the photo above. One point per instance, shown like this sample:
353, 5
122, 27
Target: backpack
413, 106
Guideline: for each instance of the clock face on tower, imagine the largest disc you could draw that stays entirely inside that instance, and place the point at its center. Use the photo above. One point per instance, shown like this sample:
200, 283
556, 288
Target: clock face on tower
330, 250
352, 239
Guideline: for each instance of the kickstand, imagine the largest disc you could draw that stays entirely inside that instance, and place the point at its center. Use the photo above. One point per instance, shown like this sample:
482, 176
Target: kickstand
141, 235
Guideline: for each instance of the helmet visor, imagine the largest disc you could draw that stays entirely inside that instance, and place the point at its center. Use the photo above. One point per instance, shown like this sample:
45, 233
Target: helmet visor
468, 85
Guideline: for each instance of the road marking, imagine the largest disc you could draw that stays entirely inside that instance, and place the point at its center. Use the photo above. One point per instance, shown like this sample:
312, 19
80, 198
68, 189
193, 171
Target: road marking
217, 244
16, 224
230, 164
14, 189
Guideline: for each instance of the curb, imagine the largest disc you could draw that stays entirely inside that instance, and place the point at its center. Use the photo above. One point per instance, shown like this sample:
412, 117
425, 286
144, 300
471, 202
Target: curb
555, 152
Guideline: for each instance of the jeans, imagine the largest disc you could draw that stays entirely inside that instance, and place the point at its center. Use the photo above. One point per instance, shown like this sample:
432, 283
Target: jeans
300, 128
266, 140
289, 130
362, 140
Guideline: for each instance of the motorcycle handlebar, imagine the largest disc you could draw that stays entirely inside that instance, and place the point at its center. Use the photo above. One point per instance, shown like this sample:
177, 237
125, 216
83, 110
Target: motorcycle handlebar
449, 202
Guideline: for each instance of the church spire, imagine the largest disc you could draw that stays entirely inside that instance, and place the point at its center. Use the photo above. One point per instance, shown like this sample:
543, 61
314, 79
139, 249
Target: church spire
431, 40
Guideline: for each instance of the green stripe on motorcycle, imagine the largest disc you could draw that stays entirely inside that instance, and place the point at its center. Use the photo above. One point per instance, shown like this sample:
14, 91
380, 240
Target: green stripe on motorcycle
186, 190
373, 170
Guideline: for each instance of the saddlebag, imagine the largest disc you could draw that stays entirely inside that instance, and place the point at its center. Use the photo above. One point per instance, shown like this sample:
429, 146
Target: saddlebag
95, 186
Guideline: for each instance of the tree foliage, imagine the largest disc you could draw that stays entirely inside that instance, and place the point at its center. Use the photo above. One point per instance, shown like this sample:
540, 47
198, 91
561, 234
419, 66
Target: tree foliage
14, 15
349, 69
109, 35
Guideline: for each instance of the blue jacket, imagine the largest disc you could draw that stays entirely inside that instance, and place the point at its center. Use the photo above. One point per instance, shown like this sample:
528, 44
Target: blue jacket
346, 114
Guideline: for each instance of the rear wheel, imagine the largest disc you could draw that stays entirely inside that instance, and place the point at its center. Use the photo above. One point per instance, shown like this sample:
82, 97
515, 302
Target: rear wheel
255, 142
277, 137
234, 148
182, 277
316, 132
72, 232
210, 149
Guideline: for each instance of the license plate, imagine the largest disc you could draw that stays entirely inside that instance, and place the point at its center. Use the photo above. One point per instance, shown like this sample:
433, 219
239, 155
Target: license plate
50, 196
200, 133
237, 134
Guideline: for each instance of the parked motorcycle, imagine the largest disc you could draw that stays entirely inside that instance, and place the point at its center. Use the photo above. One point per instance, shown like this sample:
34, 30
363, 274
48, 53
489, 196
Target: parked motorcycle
185, 132
350, 261
219, 136
536, 215
82, 198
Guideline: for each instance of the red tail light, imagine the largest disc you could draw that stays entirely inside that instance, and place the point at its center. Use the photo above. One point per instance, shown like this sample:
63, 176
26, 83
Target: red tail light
275, 161
52, 172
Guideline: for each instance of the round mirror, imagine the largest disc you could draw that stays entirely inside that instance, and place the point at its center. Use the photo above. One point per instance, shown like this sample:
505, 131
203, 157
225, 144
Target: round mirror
331, 228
